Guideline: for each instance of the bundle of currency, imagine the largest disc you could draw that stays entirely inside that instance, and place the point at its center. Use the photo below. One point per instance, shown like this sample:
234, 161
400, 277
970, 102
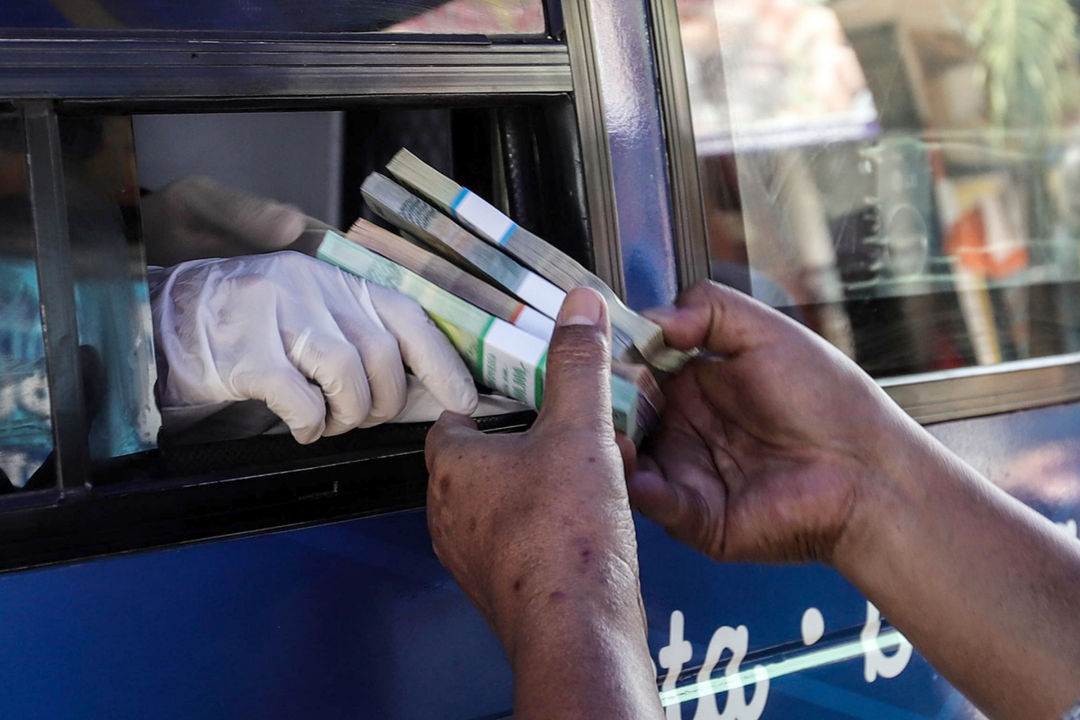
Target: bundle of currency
401, 208
415, 218
502, 356
499, 231
450, 277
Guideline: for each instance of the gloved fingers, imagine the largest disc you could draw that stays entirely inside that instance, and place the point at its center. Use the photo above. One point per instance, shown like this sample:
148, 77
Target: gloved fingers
289, 395
335, 365
425, 349
358, 320
385, 375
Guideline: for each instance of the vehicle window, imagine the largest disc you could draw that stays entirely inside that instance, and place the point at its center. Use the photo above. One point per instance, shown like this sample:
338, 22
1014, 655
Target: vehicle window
25, 426
111, 299
490, 17
902, 177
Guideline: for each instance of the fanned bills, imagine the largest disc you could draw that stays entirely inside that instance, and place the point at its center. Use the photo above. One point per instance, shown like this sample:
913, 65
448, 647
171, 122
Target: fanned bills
450, 277
563, 271
500, 355
401, 208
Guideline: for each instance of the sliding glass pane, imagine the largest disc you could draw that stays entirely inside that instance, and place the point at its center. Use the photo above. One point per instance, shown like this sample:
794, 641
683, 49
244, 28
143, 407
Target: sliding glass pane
112, 303
902, 177
25, 425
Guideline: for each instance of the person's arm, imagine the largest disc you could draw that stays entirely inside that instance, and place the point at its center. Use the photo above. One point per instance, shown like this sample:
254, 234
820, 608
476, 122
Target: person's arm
197, 217
984, 587
783, 450
537, 530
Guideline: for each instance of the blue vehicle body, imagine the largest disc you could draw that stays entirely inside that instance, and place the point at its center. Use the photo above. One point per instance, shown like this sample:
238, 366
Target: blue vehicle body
358, 619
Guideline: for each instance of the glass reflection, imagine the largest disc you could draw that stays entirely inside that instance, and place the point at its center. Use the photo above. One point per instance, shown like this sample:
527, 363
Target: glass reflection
903, 177
491, 17
112, 302
25, 425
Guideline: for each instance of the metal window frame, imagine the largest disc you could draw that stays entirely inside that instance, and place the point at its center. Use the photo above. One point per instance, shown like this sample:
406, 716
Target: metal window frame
928, 397
618, 103
595, 150
166, 72
145, 72
971, 392
45, 78
691, 239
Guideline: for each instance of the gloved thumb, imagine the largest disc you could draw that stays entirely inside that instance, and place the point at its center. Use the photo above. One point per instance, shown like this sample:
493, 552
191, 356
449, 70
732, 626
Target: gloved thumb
577, 388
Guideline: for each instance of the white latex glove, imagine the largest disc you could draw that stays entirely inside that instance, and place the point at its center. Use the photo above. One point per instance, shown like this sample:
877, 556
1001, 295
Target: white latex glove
322, 348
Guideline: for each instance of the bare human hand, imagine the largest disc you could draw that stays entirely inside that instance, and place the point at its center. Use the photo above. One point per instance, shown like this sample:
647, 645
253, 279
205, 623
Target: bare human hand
768, 439
537, 530
778, 448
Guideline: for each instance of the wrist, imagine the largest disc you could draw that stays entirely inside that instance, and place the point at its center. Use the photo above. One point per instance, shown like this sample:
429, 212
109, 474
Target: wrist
573, 592
893, 482
564, 619
581, 651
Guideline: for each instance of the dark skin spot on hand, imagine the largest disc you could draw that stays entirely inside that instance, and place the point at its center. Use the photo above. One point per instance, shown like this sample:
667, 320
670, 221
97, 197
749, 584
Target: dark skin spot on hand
517, 585
592, 459
584, 554
557, 596
444, 484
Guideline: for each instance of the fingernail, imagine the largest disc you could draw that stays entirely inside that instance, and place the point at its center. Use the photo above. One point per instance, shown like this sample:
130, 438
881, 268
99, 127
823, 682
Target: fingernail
582, 306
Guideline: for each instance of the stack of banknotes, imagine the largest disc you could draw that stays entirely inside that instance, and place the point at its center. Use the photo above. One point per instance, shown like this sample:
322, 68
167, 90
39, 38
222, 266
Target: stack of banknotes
494, 288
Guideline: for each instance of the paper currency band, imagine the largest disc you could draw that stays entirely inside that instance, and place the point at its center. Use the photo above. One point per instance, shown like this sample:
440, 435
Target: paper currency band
512, 362
535, 323
541, 294
482, 217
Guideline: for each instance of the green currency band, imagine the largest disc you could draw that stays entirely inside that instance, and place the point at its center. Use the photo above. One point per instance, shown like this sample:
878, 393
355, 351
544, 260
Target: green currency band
480, 346
541, 371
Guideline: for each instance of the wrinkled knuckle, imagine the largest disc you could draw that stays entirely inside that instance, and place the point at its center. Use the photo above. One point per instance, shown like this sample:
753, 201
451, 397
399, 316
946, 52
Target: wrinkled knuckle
252, 384
340, 360
578, 345
383, 351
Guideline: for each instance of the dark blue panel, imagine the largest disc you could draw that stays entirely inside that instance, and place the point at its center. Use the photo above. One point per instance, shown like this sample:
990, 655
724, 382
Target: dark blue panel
343, 621
359, 620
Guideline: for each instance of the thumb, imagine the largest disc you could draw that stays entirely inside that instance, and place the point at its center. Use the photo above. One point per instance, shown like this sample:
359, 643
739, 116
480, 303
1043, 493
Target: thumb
719, 319
577, 389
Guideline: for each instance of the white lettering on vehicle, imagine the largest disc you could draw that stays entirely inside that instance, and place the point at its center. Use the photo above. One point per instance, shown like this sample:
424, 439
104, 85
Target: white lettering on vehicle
737, 641
813, 626
876, 663
737, 683
672, 658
